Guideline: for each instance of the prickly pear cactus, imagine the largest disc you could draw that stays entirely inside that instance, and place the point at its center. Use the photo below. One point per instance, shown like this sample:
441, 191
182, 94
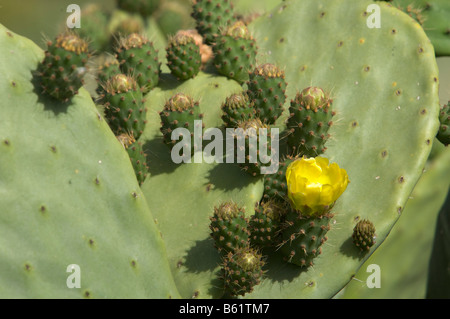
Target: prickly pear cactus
384, 85
69, 196
352, 62
433, 15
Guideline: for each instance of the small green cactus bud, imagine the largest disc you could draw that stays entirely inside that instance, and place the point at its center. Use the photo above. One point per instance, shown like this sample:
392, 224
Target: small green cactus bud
229, 227
64, 66
210, 16
309, 121
266, 89
124, 105
138, 56
364, 235
235, 52
237, 108
183, 56
312, 97
180, 111
242, 270
265, 224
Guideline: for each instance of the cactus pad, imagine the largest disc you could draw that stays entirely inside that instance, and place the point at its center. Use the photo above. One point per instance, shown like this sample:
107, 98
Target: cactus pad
69, 196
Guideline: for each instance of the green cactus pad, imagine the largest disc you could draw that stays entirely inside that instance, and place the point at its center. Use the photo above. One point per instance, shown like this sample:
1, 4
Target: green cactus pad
183, 56
60, 73
69, 196
404, 58
354, 63
235, 52
211, 16
433, 16
198, 186
266, 89
404, 267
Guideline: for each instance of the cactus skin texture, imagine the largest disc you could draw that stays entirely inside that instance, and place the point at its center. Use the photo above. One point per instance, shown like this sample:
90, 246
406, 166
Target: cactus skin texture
265, 224
183, 56
266, 89
241, 271
136, 154
124, 105
138, 57
309, 121
433, 16
235, 52
180, 111
237, 108
143, 7
303, 237
364, 235
210, 16
65, 63
229, 227
443, 134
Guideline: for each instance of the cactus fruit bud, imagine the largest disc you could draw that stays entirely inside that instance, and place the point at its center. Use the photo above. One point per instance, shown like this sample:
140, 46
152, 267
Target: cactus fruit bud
137, 56
229, 227
248, 146
266, 89
242, 271
265, 224
364, 234
183, 56
124, 105
180, 111
210, 16
303, 237
64, 66
237, 108
235, 52
309, 121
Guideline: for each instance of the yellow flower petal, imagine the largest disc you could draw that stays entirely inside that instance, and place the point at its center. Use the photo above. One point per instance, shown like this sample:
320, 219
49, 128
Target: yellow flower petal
314, 185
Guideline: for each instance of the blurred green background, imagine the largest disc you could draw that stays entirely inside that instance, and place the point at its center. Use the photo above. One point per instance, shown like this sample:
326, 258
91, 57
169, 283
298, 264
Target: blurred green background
40, 19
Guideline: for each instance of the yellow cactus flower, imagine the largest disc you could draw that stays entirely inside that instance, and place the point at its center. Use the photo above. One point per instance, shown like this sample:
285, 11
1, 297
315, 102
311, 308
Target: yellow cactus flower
314, 185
